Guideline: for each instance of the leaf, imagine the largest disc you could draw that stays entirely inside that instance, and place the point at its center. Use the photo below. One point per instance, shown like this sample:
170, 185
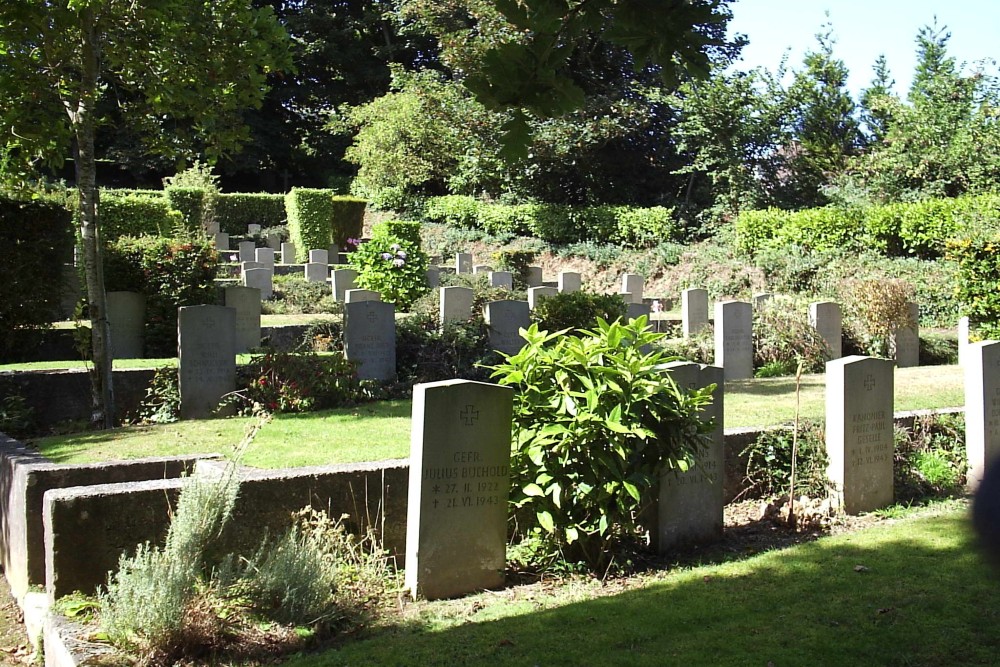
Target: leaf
546, 522
632, 490
533, 490
572, 535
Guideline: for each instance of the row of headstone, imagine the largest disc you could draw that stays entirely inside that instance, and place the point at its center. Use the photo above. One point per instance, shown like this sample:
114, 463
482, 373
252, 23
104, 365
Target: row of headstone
568, 281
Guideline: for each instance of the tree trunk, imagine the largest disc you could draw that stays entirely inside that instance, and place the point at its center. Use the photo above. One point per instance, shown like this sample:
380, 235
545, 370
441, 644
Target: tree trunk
82, 117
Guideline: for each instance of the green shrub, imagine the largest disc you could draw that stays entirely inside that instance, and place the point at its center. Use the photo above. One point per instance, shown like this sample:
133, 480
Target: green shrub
236, 210
127, 213
515, 261
930, 458
644, 227
348, 219
392, 266
294, 295
409, 231
428, 352
555, 224
874, 309
978, 259
453, 210
299, 382
769, 463
782, 337
171, 273
38, 242
162, 402
310, 220
192, 204
596, 422
578, 310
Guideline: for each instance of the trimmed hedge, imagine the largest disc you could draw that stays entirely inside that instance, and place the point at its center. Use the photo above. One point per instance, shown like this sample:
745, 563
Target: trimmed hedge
622, 225
310, 220
134, 213
409, 231
190, 202
918, 229
348, 218
978, 259
38, 240
235, 210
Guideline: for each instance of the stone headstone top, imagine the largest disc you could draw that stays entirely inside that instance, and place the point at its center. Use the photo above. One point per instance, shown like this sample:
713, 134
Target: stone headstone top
319, 256
246, 302
536, 294
316, 272
533, 276
370, 338
463, 262
982, 407
342, 281
127, 319
632, 283
504, 279
253, 229
734, 339
569, 281
694, 311
505, 319
265, 257
206, 351
222, 241
826, 318
248, 251
261, 279
359, 295
456, 304
288, 253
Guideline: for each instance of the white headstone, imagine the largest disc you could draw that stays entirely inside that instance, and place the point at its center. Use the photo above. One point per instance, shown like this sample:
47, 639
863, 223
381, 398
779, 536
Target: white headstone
826, 318
343, 280
694, 311
334, 254
319, 256
504, 319
504, 279
905, 344
206, 352
246, 302
982, 407
370, 338
456, 304
456, 527
317, 272
691, 502
533, 276
288, 253
632, 283
859, 432
127, 319
964, 328
359, 295
274, 242
634, 311
569, 281
222, 241
536, 294
248, 251
265, 257
246, 266
734, 339
262, 279
463, 262
253, 229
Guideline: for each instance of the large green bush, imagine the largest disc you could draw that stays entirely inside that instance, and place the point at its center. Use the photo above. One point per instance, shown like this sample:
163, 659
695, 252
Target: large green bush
136, 213
393, 266
596, 422
978, 288
348, 219
191, 203
235, 210
310, 219
170, 272
38, 241
578, 310
453, 210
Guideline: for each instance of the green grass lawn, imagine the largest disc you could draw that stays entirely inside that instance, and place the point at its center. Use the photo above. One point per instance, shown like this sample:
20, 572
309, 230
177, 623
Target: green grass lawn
909, 592
377, 431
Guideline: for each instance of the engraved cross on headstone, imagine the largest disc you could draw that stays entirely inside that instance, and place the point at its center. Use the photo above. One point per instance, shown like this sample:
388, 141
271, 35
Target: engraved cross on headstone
372, 316
869, 382
470, 415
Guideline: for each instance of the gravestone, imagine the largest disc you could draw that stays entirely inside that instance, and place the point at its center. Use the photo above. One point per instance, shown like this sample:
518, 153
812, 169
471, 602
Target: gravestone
504, 279
433, 277
690, 503
127, 320
253, 229
316, 272
533, 276
261, 279
222, 241
694, 311
370, 338
246, 302
288, 253
570, 281
481, 268
246, 266
982, 408
963, 339
456, 304
634, 311
859, 432
319, 256
343, 280
265, 257
905, 343
359, 295
206, 358
463, 262
248, 251
274, 242
334, 254
632, 283
734, 339
456, 524
760, 299
504, 318
536, 294
825, 317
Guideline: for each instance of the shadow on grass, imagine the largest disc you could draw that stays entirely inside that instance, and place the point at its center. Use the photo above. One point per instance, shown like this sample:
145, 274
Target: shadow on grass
773, 386
886, 597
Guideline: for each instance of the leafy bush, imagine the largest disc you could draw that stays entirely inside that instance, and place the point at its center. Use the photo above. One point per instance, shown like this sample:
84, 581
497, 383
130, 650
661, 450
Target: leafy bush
453, 210
578, 310
130, 213
293, 294
38, 241
16, 416
299, 382
162, 402
644, 227
170, 273
236, 210
769, 463
193, 204
875, 309
392, 266
515, 261
930, 458
782, 337
310, 219
428, 352
978, 259
596, 422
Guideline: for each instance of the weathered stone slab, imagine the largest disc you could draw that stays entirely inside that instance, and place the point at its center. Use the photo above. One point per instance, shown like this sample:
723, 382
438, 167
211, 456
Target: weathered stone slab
504, 279
905, 343
694, 311
982, 407
248, 251
536, 294
288, 253
370, 338
433, 277
504, 319
826, 318
127, 318
463, 262
570, 281
342, 281
246, 302
319, 255
222, 241
634, 311
359, 295
734, 339
859, 432
691, 502
632, 283
317, 272
456, 304
533, 276
206, 351
262, 279
481, 268
265, 257
253, 229
456, 532
761, 299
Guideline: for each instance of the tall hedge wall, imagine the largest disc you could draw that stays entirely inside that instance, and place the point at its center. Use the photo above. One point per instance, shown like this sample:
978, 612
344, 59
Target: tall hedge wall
38, 240
235, 210
348, 218
131, 213
310, 216
191, 204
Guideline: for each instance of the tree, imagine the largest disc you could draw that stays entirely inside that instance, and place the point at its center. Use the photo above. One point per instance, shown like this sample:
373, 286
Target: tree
876, 103
186, 65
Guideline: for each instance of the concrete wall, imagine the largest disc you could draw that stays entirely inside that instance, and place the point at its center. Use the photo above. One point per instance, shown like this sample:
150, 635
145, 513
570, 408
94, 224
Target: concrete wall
63, 395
